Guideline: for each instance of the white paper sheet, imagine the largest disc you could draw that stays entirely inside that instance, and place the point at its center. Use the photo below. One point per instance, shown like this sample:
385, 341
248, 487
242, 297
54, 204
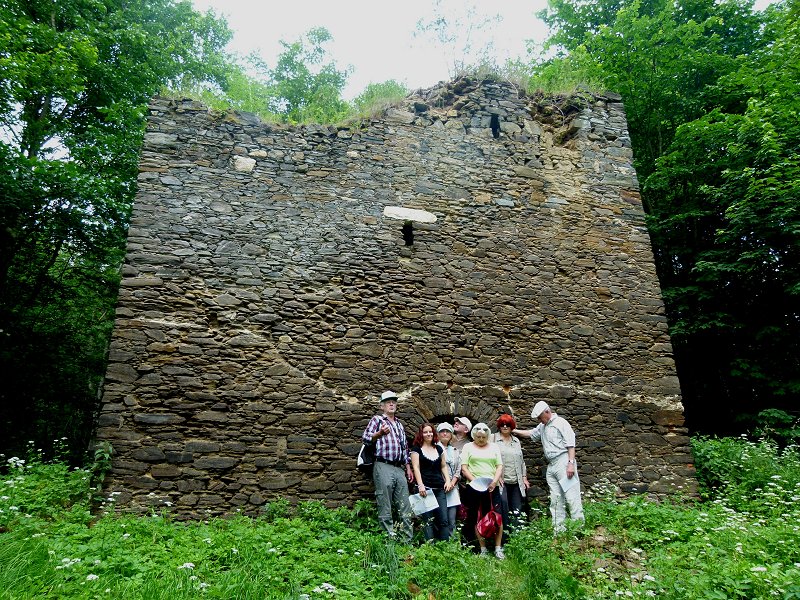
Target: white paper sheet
422, 505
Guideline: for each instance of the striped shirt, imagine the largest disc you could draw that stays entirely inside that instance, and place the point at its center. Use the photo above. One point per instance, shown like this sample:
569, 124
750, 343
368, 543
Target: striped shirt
393, 446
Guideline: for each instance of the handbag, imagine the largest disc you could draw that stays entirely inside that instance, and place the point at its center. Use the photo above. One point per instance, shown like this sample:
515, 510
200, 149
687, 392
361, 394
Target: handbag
366, 458
489, 524
462, 512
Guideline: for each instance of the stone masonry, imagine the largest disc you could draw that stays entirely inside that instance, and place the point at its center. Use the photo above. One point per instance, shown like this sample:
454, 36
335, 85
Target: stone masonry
276, 282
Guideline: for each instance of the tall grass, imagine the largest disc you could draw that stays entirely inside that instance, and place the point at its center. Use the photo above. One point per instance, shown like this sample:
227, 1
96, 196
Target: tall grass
740, 540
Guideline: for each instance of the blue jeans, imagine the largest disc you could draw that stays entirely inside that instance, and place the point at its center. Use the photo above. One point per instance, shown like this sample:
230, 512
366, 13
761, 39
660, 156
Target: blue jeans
511, 497
435, 525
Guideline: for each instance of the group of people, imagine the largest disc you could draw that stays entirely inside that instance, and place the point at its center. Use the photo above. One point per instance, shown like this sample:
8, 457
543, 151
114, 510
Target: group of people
470, 478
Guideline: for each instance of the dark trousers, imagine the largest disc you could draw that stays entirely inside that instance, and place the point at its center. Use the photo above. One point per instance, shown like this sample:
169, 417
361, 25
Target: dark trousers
435, 521
475, 502
511, 498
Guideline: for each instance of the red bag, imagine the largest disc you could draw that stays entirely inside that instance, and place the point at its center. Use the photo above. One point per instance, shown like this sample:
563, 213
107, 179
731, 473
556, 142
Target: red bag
462, 513
489, 524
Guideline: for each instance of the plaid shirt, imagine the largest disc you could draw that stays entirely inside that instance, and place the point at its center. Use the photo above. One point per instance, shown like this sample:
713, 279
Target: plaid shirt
392, 446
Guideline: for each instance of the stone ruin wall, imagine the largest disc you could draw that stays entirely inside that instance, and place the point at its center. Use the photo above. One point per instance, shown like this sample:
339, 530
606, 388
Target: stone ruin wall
266, 300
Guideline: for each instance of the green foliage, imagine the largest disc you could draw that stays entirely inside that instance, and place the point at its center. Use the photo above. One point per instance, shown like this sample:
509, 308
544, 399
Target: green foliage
302, 87
742, 541
753, 476
779, 426
726, 227
75, 78
711, 95
565, 74
305, 88
377, 96
545, 574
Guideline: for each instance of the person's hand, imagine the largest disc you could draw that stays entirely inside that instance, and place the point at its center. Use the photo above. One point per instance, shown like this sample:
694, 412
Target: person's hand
384, 430
409, 474
526, 483
448, 485
422, 491
492, 487
570, 470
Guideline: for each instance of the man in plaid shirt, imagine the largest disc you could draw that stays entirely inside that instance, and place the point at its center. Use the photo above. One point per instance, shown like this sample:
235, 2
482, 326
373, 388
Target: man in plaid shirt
392, 470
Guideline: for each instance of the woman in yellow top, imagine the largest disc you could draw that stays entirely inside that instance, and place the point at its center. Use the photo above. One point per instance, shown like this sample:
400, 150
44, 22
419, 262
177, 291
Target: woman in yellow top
481, 459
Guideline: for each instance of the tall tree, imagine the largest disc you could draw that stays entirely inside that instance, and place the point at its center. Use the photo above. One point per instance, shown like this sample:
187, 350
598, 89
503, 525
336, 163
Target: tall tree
75, 78
304, 85
725, 221
710, 90
663, 57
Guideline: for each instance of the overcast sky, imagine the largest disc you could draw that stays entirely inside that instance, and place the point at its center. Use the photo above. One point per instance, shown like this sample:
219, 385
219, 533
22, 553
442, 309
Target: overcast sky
375, 37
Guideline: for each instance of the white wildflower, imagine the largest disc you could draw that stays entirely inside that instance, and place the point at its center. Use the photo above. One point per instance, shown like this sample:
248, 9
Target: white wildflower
92, 577
187, 565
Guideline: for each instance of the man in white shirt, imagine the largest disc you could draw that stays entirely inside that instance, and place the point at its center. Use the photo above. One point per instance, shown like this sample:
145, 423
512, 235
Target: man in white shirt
558, 444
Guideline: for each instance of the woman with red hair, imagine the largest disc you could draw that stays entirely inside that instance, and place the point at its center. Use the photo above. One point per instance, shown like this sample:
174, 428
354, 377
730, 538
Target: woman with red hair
515, 479
432, 477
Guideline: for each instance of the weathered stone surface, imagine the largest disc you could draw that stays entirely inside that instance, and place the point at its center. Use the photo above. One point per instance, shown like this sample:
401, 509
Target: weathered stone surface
215, 462
267, 297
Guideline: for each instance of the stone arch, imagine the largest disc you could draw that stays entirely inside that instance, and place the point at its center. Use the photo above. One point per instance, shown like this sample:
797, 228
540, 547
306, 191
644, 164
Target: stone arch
477, 403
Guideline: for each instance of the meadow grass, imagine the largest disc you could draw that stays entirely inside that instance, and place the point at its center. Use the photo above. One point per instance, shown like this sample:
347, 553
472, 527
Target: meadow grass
741, 539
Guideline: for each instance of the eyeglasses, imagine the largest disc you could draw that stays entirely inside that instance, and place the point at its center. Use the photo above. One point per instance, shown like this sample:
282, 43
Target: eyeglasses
505, 425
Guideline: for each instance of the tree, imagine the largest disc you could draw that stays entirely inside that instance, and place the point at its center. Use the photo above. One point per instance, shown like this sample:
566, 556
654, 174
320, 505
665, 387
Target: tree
663, 57
305, 89
725, 221
75, 79
458, 30
303, 86
710, 91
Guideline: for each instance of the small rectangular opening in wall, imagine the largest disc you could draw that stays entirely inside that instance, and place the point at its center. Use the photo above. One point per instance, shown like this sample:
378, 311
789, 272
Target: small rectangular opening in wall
408, 233
495, 125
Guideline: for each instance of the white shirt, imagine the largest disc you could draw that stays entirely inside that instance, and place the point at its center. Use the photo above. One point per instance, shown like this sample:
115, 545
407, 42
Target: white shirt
556, 436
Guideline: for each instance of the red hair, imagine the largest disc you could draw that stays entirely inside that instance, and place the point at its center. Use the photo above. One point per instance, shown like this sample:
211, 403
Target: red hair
506, 420
418, 438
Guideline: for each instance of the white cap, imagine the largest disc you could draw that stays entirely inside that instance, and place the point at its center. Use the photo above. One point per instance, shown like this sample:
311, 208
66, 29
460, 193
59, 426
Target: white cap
539, 408
388, 395
481, 427
444, 427
465, 422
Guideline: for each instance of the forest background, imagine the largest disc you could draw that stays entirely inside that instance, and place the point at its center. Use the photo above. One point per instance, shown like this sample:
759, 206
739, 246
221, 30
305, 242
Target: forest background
712, 94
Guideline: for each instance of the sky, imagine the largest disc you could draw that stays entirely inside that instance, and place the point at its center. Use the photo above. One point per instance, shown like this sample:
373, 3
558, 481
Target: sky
377, 38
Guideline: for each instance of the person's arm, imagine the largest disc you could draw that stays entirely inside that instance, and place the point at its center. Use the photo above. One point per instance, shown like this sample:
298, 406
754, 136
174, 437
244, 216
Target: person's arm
568, 434
523, 433
571, 469
525, 482
418, 474
457, 470
498, 477
369, 435
448, 485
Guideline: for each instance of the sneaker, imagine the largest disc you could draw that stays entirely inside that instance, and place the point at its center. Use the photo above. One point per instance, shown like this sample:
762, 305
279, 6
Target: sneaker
499, 554
484, 552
